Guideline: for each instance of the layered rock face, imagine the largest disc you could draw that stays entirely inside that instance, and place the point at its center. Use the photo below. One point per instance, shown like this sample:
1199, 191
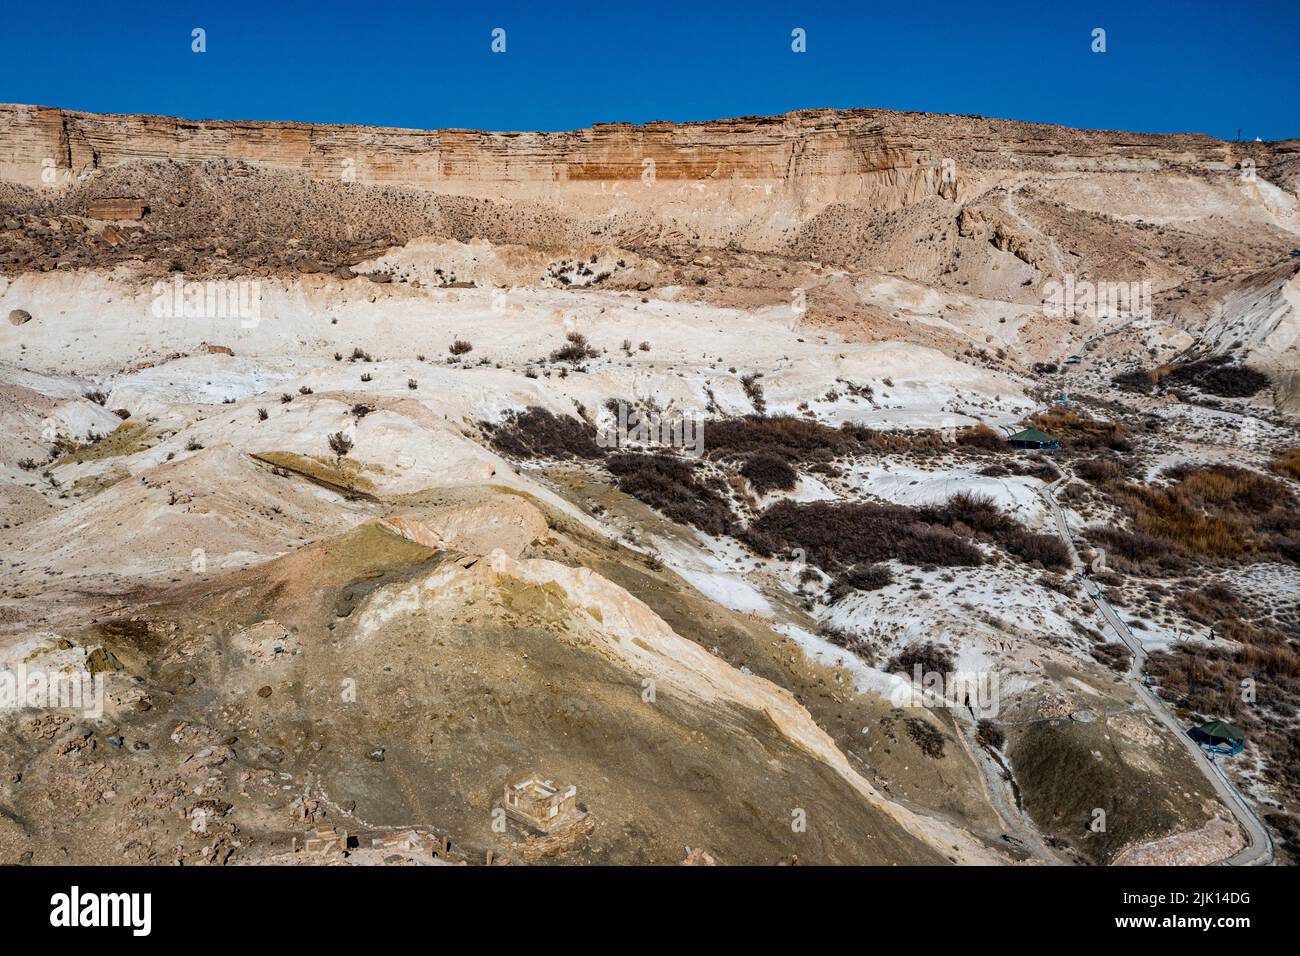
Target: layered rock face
749, 180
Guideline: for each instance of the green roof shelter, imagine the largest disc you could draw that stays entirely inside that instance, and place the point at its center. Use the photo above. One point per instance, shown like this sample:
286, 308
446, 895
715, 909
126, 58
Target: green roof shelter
1219, 736
1033, 438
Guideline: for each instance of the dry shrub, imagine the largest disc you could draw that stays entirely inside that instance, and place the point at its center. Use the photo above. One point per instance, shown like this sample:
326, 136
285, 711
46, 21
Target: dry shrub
1046, 550
768, 472
1213, 376
576, 349
1099, 470
932, 659
536, 433
983, 437
795, 440
837, 535
989, 734
1116, 656
1079, 431
1214, 512
1287, 462
673, 486
929, 739
1218, 376
861, 577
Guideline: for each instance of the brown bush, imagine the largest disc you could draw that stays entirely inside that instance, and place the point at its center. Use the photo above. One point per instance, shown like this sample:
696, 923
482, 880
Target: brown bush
1218, 376
1046, 550
861, 577
576, 349
1214, 512
794, 439
1099, 470
837, 535
674, 486
1116, 656
981, 436
768, 472
536, 433
1287, 462
989, 734
928, 738
932, 658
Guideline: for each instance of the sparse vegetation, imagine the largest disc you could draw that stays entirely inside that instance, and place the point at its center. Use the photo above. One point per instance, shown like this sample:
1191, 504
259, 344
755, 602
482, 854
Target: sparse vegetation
927, 737
1080, 432
767, 472
861, 577
675, 486
576, 350
340, 444
1216, 375
460, 347
988, 734
537, 433
754, 391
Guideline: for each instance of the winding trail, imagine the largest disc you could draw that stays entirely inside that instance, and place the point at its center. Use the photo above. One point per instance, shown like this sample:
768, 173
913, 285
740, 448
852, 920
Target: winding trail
1259, 849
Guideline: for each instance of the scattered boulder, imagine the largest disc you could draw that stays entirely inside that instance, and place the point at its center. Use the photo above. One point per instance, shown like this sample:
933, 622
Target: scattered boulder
19, 317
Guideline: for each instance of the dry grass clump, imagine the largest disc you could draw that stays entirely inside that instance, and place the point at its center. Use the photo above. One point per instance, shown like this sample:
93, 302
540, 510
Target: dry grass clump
675, 486
1214, 512
1099, 470
1287, 462
536, 433
1209, 604
1078, 431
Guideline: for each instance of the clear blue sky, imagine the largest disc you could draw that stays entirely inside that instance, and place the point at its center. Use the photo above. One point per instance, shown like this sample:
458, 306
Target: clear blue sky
1173, 66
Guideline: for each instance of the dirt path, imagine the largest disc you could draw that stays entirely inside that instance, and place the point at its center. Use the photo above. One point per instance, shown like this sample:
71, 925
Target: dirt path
1259, 850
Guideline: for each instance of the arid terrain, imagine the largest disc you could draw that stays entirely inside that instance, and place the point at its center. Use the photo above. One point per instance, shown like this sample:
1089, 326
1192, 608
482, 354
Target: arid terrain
380, 477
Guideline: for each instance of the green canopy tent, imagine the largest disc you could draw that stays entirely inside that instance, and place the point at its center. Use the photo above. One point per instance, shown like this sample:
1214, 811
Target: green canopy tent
1033, 438
1219, 736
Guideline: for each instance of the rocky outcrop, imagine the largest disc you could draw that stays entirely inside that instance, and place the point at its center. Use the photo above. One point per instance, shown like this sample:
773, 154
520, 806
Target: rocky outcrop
750, 180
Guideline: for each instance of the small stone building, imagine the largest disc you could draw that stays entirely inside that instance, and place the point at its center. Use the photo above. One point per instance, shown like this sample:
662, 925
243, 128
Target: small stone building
118, 209
542, 805
326, 837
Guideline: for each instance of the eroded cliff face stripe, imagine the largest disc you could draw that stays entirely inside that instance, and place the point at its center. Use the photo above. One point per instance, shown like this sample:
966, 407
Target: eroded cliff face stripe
644, 641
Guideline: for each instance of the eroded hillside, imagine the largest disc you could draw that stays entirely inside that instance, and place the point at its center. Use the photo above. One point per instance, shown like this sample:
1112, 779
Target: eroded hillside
374, 472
